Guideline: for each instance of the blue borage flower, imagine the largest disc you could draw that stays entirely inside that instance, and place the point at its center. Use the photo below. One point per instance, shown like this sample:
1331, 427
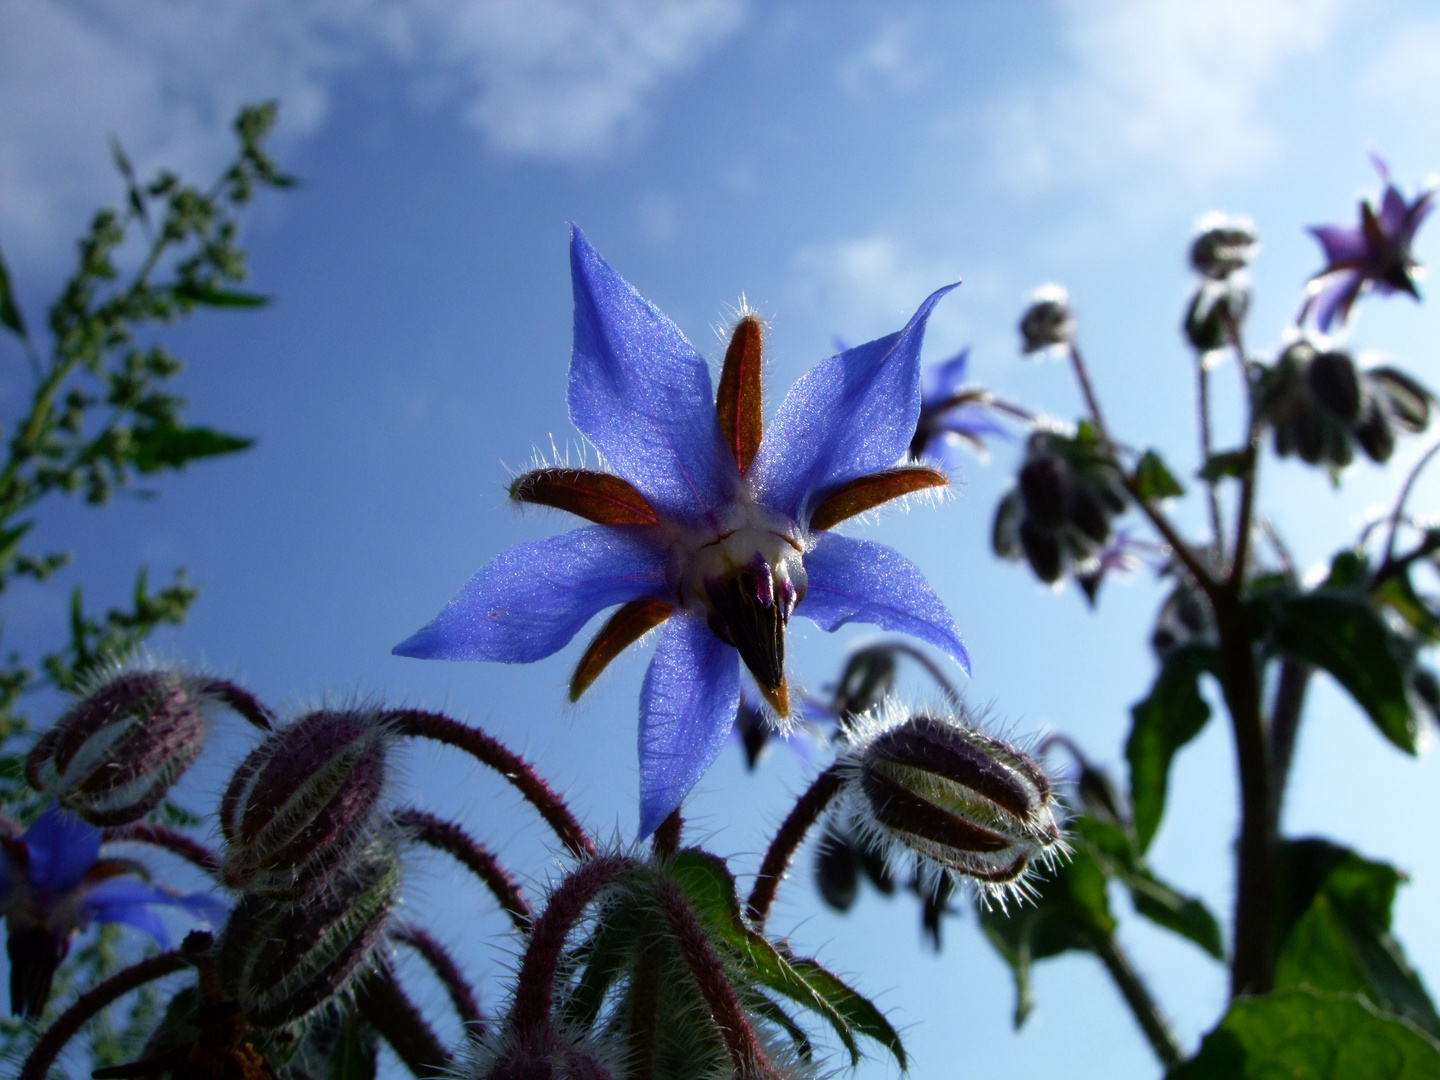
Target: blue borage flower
53, 885
1375, 253
952, 413
703, 525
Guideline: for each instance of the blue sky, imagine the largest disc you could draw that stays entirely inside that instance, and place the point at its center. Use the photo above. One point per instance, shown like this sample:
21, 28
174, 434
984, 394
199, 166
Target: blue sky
833, 164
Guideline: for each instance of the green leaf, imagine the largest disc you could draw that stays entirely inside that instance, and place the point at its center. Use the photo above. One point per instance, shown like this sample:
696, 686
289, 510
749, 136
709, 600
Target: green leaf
1336, 906
1153, 480
1070, 912
1341, 632
1309, 1035
1184, 915
171, 447
1226, 463
1170, 717
762, 1006
355, 1054
9, 313
601, 960
859, 1011
199, 292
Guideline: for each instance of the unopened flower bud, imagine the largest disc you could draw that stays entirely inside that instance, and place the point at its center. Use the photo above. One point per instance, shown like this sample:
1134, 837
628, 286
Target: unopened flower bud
112, 757
558, 1062
1408, 402
837, 871
1333, 380
1223, 245
302, 800
1045, 487
961, 800
868, 676
1048, 320
281, 960
1213, 310
1375, 434
1042, 550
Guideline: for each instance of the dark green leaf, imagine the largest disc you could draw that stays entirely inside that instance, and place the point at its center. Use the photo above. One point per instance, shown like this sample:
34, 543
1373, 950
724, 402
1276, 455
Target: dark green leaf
1350, 569
355, 1054
1153, 480
859, 1011
197, 292
601, 960
1341, 940
762, 1006
1170, 717
9, 313
1070, 912
1341, 632
1226, 463
1184, 915
1308, 1035
170, 447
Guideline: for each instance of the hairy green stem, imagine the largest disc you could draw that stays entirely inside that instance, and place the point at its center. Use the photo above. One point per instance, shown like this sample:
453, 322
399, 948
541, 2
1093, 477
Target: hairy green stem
1142, 1003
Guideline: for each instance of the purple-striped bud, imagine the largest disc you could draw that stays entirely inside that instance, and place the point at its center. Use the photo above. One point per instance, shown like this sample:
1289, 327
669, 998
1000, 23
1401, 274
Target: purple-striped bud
302, 801
282, 960
112, 757
559, 1062
961, 800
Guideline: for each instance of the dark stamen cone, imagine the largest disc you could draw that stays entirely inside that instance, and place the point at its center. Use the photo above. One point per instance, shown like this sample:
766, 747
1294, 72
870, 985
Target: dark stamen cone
603, 498
867, 492
738, 403
630, 623
756, 629
35, 952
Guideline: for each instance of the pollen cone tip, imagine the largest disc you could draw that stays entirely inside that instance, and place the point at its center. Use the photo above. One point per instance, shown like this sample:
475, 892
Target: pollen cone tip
778, 697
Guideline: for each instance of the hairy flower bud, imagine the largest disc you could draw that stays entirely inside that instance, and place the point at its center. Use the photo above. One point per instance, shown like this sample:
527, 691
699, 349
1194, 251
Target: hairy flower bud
1407, 402
281, 960
1048, 320
1213, 310
1223, 245
1334, 381
302, 800
113, 756
1044, 485
963, 801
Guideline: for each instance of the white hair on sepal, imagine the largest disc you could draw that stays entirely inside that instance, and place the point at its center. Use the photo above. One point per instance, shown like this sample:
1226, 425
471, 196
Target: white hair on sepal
999, 874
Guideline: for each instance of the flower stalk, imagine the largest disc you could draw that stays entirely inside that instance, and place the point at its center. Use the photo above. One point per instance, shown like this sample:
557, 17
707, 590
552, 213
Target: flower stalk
806, 812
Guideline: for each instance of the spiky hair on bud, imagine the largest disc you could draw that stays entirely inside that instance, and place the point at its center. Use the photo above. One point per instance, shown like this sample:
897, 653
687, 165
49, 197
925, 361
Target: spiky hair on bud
304, 800
282, 960
965, 803
113, 756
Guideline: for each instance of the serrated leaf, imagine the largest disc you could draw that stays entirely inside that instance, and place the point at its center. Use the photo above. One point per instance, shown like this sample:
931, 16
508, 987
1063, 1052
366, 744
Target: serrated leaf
1170, 717
171, 447
1153, 480
1309, 1035
859, 1011
1341, 940
197, 292
762, 1006
9, 313
1226, 463
1341, 632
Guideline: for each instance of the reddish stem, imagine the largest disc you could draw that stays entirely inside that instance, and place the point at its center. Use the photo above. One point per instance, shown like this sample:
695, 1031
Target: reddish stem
448, 972
450, 838
490, 752
240, 701
388, 1009
535, 985
89, 1004
160, 836
782, 849
709, 975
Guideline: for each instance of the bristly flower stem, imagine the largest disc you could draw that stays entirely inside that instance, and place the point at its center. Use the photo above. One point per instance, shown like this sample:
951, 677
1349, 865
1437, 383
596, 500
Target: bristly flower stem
709, 976
177, 843
88, 1005
1137, 995
450, 838
806, 811
535, 984
462, 996
389, 1010
490, 752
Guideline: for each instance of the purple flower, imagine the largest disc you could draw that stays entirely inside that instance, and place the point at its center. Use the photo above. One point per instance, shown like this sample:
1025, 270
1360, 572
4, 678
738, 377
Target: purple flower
702, 525
1374, 253
53, 885
952, 413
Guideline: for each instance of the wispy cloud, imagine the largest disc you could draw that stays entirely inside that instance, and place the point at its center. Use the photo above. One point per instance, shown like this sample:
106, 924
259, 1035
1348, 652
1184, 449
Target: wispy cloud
550, 79
1171, 86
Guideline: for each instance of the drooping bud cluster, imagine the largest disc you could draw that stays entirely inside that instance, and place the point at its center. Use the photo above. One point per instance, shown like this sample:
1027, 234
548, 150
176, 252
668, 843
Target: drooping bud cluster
962, 801
1059, 513
303, 801
1319, 404
281, 959
112, 757
1048, 320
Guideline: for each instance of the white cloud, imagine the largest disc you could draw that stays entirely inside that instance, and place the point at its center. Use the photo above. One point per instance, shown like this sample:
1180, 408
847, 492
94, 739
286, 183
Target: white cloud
551, 79
1172, 85
890, 61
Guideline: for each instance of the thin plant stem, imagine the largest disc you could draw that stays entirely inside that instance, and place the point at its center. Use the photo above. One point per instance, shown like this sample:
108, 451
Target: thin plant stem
88, 1005
1202, 395
462, 996
450, 838
1142, 1003
1092, 403
388, 1009
177, 843
1399, 512
492, 753
1285, 715
931, 668
806, 811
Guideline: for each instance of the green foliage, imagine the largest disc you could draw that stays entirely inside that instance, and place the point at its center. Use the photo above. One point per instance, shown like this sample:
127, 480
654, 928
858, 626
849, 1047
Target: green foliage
1173, 714
1310, 1035
1229, 463
1154, 480
1336, 920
